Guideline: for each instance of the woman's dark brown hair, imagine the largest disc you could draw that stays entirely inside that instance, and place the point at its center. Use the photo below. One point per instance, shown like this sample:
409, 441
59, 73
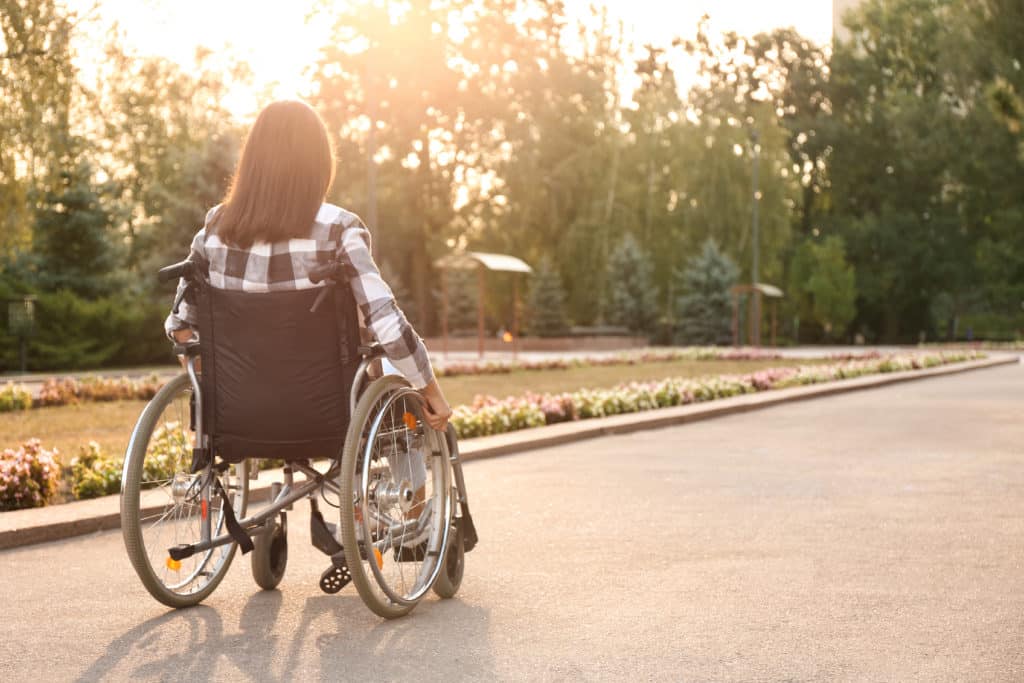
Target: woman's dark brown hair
282, 177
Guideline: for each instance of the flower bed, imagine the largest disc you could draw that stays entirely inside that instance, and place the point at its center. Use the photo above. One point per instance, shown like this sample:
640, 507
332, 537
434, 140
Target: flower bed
488, 415
59, 392
659, 356
29, 476
70, 390
95, 474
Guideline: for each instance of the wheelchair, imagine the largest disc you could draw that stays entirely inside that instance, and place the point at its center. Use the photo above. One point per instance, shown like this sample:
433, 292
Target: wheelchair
283, 376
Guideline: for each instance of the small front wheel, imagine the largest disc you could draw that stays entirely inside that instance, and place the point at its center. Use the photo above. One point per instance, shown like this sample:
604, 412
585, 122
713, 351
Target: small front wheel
450, 578
270, 556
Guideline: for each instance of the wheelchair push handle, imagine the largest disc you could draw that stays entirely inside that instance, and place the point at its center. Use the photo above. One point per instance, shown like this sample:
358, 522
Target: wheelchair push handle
185, 269
324, 271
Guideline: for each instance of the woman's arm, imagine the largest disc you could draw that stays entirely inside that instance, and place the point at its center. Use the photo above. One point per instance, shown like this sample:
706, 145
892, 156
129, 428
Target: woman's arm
186, 318
388, 324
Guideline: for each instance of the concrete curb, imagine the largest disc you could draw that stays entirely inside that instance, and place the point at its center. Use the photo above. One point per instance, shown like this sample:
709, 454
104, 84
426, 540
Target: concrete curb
38, 525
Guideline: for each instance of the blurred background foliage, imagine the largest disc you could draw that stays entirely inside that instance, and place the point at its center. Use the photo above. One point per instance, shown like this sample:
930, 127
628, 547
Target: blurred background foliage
889, 167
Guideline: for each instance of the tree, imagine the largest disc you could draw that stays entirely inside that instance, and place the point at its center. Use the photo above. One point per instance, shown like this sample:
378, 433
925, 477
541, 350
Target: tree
632, 296
71, 244
704, 309
168, 147
546, 301
919, 163
38, 82
824, 285
388, 90
463, 295
737, 125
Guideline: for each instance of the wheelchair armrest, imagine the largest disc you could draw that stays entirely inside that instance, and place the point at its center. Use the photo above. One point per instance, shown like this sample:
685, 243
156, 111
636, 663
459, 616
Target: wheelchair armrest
371, 351
187, 349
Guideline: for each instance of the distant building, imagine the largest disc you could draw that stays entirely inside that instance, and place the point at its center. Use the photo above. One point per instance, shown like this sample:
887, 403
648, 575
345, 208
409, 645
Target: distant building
839, 8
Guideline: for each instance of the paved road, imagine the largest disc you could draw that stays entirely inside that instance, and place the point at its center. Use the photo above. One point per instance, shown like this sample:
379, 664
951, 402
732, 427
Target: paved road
877, 535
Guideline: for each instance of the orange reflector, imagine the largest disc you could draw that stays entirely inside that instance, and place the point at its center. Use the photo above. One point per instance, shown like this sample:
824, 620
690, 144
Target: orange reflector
377, 555
203, 508
173, 564
410, 420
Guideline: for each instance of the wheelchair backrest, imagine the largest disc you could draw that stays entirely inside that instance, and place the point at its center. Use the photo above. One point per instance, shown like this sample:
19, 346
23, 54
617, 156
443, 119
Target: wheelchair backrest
275, 376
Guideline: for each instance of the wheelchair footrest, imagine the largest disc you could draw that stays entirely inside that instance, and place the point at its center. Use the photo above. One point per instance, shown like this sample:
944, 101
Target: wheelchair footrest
322, 533
180, 552
337, 576
465, 522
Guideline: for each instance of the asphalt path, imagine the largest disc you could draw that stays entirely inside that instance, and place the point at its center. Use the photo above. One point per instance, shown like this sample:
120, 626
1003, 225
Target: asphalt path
877, 535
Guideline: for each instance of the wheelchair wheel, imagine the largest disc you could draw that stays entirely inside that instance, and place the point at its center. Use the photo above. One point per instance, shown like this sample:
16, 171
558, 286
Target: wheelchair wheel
396, 529
270, 556
450, 578
161, 502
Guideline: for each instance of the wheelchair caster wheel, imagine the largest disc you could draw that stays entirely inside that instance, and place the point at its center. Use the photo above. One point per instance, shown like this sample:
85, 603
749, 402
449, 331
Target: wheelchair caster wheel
335, 578
270, 556
450, 577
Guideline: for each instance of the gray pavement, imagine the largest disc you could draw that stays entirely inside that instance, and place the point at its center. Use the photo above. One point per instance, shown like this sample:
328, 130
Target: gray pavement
875, 535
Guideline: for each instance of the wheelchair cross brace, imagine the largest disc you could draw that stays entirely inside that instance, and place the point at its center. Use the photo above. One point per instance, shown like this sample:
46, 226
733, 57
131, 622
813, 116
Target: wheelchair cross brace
258, 523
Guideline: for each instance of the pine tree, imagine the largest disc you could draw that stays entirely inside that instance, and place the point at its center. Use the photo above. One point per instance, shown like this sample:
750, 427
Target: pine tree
632, 297
546, 302
704, 309
462, 300
71, 244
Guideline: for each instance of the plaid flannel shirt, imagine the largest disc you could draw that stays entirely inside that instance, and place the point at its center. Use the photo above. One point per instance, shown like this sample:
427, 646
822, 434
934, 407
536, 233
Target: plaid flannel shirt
336, 234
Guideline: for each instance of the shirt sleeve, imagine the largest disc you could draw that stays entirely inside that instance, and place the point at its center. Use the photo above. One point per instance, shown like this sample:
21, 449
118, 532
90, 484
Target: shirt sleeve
383, 317
187, 317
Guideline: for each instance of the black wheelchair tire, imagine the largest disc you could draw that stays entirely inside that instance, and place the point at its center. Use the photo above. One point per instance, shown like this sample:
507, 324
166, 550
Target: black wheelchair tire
270, 557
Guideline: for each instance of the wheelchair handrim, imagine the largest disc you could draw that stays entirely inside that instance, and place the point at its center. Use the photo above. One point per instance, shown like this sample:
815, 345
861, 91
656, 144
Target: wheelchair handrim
439, 526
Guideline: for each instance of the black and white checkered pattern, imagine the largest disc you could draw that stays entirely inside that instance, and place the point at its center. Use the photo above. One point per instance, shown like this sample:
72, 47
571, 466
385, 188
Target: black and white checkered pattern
283, 266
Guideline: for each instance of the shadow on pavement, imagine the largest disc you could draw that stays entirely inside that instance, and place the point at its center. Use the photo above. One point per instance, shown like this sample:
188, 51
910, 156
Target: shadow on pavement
338, 631
440, 639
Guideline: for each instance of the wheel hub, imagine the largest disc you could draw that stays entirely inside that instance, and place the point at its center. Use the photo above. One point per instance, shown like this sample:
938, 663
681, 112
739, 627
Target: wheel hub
389, 493
181, 485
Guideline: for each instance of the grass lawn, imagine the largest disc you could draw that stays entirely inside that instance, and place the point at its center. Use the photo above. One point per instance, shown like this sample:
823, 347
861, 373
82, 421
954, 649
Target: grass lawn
110, 424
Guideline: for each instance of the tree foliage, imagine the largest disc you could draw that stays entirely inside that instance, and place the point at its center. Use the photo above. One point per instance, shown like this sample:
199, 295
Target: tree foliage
632, 296
546, 303
888, 159
824, 285
704, 306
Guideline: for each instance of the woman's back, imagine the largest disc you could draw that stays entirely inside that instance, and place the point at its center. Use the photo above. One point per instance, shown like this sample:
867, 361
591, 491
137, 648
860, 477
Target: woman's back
274, 227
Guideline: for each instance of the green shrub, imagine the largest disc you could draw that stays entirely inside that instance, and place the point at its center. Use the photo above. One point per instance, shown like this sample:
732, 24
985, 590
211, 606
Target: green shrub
29, 476
77, 333
170, 451
15, 397
93, 474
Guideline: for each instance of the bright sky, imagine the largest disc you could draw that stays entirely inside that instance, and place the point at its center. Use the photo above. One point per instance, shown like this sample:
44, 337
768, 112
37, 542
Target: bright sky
274, 38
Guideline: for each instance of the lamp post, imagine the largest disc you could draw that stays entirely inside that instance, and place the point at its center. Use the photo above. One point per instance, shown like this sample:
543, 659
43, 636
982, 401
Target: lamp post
371, 165
755, 323
21, 322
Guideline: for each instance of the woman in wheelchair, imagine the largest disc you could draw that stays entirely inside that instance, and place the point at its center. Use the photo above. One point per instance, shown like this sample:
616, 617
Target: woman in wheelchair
273, 299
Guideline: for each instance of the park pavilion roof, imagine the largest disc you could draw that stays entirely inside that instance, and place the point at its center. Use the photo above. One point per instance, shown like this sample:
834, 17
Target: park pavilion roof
468, 260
